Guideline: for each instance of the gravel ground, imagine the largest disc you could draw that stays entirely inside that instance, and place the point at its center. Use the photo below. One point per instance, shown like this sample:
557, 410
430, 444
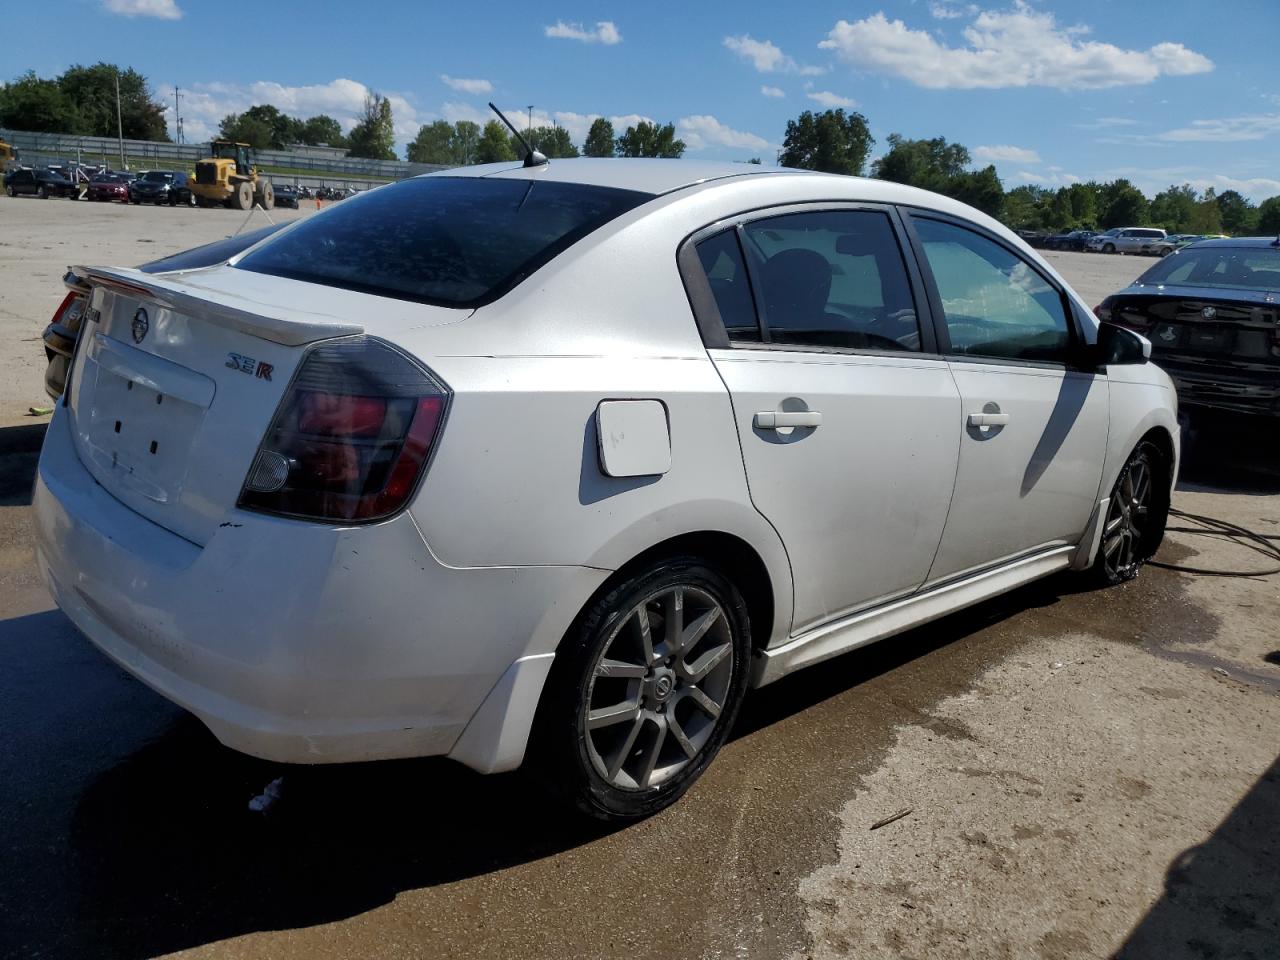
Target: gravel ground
1087, 773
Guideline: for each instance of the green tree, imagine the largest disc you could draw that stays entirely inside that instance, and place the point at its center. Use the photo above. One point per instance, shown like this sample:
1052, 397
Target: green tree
599, 142
929, 164
29, 103
831, 141
1239, 215
494, 144
1173, 209
1123, 205
1026, 207
245, 129
551, 142
1206, 217
433, 144
374, 136
1269, 217
322, 129
650, 140
92, 91
1084, 203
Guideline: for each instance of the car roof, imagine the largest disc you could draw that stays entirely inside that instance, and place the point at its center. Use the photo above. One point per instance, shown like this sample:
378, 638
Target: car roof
623, 173
1238, 242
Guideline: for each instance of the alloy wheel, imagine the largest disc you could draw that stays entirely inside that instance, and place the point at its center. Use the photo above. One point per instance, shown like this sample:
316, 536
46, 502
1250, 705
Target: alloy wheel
1127, 519
658, 688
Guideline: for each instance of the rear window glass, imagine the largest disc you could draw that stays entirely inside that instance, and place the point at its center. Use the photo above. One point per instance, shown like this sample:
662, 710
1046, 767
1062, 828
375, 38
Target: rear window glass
451, 241
1250, 268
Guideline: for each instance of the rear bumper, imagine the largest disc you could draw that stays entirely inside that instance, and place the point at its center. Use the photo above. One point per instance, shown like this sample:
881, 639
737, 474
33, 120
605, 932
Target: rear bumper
305, 643
1232, 390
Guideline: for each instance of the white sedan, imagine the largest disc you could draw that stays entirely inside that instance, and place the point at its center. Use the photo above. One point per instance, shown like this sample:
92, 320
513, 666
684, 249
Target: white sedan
557, 461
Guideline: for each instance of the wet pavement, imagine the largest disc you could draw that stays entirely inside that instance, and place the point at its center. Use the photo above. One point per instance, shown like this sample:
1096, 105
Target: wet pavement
128, 832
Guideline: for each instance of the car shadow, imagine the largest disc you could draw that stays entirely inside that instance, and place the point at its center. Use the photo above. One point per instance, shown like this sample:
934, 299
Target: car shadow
156, 849
19, 455
1231, 453
1222, 897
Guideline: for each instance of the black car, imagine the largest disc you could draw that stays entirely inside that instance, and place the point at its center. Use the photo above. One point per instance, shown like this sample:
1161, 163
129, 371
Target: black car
286, 195
1212, 313
38, 183
160, 187
1073, 240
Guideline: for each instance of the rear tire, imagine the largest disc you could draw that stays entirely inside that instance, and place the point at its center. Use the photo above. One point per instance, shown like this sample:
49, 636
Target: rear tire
42, 193
1136, 515
268, 195
634, 712
242, 195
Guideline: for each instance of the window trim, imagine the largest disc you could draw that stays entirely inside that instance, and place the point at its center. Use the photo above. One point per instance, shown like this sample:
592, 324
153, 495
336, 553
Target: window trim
1076, 354
706, 311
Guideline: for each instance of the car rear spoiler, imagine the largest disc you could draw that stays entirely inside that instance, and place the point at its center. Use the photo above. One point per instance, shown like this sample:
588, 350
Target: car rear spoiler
220, 308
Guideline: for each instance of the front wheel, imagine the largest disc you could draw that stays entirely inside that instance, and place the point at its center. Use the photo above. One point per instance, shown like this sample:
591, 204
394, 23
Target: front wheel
1109, 248
1136, 517
42, 193
644, 690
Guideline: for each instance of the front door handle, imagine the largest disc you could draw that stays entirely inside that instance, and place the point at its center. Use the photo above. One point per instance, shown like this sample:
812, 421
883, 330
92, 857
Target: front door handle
779, 419
988, 419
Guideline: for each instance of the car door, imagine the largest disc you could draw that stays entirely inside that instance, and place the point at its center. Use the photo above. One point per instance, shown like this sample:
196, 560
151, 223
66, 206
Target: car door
24, 181
1034, 424
848, 418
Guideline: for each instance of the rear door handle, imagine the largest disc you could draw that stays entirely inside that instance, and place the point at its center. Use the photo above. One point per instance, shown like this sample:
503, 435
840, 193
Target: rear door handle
988, 419
777, 419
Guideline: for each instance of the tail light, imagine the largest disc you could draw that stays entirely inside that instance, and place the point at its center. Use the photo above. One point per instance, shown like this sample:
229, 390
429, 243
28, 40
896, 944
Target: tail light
352, 437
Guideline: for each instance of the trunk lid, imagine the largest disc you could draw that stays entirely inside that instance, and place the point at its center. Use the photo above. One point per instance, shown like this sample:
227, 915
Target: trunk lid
1206, 327
177, 378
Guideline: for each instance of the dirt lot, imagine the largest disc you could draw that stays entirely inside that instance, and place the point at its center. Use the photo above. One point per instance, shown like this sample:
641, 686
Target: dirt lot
1088, 773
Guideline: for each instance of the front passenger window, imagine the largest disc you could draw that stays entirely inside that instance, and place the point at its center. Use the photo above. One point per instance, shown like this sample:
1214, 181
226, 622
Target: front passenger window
994, 303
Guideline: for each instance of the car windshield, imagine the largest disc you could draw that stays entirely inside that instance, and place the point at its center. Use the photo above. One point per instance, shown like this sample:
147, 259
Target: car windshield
156, 176
1246, 268
451, 241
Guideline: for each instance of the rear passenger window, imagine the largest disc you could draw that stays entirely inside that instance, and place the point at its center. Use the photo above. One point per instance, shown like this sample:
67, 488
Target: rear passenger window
721, 259
832, 278
994, 303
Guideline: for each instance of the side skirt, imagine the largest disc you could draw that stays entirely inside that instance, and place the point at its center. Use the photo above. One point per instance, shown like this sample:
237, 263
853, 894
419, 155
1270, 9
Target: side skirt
857, 630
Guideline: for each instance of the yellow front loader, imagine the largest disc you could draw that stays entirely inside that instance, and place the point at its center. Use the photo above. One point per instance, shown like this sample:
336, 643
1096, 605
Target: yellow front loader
229, 178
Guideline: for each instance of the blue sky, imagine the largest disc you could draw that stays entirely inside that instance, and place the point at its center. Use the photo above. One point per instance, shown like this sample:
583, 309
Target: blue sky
1048, 90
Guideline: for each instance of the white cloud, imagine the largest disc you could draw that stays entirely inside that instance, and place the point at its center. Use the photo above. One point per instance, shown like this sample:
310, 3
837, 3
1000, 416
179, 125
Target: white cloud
1021, 47
1055, 178
466, 86
830, 100
948, 11
1226, 129
775, 92
160, 9
1005, 154
700, 132
767, 57
605, 32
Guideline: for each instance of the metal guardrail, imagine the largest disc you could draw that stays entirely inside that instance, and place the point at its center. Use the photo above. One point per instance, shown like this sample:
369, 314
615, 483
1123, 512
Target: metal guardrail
65, 146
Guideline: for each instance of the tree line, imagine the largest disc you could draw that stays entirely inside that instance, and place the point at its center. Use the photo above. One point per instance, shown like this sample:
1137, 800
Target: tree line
82, 100
464, 142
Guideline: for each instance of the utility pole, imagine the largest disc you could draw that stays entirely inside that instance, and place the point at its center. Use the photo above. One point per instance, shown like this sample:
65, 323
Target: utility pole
531, 116
119, 121
177, 118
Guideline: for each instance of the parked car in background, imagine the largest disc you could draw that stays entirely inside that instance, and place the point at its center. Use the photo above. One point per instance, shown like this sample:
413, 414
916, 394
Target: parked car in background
110, 186
161, 187
1034, 238
1212, 313
1126, 240
286, 195
38, 183
1072, 240
590, 552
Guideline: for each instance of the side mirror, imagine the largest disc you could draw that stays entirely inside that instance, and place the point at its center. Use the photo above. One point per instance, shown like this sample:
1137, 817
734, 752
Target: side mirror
1120, 345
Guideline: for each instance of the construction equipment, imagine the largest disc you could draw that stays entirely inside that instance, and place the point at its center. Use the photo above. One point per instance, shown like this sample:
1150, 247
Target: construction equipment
228, 177
8, 155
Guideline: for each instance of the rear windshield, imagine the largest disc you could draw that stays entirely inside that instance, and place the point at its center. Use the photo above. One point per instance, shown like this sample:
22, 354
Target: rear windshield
1248, 268
451, 241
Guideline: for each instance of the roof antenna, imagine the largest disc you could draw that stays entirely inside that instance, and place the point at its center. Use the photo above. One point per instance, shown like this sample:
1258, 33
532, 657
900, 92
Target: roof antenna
532, 158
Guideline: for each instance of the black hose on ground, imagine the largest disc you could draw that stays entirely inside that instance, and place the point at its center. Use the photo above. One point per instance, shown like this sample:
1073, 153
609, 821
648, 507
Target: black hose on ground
1266, 544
